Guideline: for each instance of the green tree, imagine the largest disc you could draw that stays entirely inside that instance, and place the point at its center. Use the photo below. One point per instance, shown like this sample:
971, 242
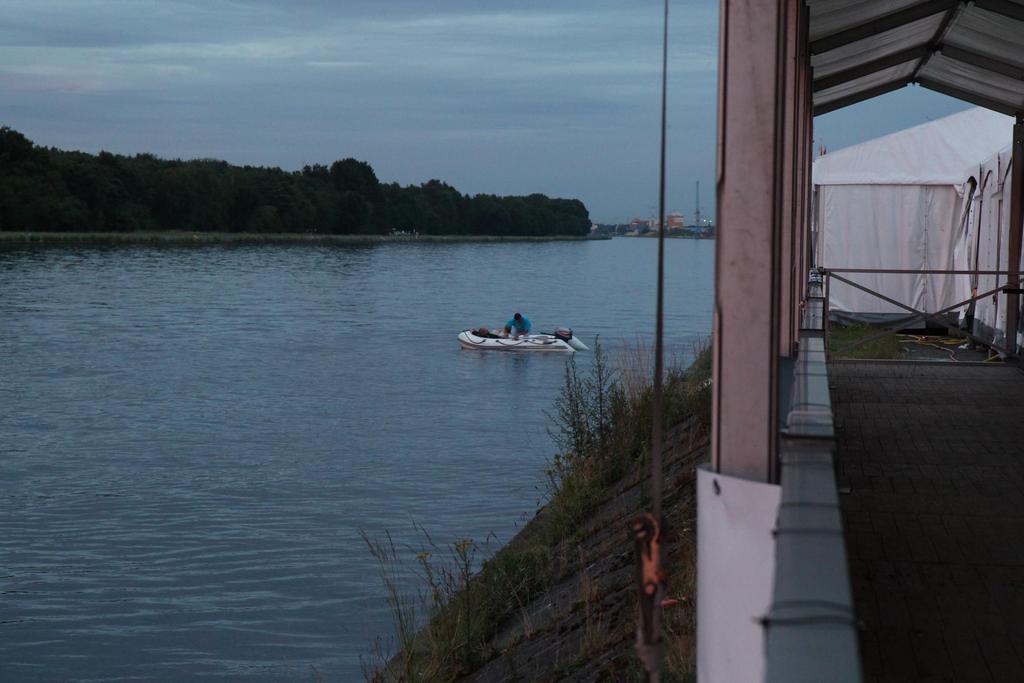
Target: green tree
50, 189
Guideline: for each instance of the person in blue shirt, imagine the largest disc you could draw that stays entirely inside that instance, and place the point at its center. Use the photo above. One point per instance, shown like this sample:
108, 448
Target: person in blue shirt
519, 325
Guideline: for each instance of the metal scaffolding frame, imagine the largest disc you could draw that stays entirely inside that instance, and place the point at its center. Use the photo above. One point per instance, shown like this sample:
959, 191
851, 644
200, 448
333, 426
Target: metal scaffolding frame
916, 314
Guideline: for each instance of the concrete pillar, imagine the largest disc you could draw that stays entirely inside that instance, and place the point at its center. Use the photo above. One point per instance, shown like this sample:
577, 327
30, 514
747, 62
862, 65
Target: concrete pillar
748, 241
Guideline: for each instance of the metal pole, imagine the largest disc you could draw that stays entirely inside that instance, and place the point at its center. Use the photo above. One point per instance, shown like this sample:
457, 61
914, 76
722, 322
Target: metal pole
785, 184
656, 430
647, 529
1016, 216
824, 322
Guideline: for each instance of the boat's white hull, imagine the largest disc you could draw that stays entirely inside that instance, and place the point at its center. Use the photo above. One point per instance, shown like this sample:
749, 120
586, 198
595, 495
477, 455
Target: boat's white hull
529, 343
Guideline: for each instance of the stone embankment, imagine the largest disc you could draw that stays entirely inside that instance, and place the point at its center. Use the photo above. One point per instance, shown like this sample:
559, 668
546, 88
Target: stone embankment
583, 627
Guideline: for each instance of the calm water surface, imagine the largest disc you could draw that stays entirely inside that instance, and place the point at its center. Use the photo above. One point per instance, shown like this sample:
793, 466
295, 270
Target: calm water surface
192, 439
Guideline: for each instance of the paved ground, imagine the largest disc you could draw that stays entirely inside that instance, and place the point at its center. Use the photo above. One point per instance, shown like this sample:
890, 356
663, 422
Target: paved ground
931, 474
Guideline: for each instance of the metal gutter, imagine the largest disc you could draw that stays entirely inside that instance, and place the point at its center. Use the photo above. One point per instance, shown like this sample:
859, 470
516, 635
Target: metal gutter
810, 629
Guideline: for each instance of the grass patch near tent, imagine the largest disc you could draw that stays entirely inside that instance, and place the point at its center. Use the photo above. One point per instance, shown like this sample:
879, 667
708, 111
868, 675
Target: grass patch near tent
886, 347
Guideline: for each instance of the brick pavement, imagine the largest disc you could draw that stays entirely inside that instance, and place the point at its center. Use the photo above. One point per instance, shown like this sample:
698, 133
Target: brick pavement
930, 465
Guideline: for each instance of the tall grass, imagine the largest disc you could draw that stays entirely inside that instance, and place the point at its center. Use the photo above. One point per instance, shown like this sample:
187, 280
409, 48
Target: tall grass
443, 624
602, 420
601, 424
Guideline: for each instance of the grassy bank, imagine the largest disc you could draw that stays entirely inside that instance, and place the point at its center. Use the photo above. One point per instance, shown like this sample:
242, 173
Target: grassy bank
862, 342
564, 583
207, 238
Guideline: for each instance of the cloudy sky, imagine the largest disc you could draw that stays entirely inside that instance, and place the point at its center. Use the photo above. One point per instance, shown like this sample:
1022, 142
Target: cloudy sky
507, 97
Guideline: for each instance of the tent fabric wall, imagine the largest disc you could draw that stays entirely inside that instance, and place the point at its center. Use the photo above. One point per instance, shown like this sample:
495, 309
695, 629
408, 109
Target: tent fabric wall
898, 202
916, 227
986, 243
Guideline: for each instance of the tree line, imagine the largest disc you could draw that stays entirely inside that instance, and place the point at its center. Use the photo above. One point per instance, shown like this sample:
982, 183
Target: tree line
47, 189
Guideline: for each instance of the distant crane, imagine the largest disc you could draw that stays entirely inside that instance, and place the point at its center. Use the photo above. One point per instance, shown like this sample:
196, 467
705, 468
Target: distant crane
696, 207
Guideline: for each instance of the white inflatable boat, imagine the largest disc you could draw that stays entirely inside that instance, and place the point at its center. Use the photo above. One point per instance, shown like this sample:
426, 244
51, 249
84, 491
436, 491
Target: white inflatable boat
561, 340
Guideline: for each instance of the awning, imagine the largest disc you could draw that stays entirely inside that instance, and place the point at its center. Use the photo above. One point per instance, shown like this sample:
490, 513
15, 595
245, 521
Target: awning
973, 51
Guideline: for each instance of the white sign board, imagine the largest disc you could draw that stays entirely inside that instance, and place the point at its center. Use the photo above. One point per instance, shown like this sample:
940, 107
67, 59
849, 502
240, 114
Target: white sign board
735, 572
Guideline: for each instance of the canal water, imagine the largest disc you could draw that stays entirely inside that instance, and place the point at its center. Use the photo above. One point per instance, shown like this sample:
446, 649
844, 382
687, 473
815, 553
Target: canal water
192, 439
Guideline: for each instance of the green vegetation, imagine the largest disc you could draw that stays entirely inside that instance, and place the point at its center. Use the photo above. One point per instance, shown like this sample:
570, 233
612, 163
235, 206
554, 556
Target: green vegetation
602, 424
49, 190
886, 347
179, 238
461, 610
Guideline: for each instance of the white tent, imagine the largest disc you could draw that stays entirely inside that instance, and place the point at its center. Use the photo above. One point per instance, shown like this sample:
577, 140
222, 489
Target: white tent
900, 202
985, 242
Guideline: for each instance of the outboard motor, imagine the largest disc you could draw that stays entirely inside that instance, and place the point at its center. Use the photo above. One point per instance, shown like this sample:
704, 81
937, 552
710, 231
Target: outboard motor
565, 335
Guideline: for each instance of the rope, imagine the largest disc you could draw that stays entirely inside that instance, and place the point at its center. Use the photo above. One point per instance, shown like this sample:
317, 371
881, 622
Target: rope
934, 342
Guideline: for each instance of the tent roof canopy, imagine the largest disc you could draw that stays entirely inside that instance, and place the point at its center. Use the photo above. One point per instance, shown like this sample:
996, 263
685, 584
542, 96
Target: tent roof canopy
970, 50
939, 152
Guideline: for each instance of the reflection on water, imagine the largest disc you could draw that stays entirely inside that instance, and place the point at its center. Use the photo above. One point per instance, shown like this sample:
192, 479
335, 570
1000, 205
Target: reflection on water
193, 438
